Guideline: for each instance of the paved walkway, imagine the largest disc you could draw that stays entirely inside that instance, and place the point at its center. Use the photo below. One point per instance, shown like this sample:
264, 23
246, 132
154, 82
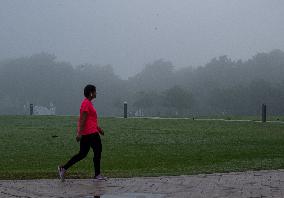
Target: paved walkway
245, 184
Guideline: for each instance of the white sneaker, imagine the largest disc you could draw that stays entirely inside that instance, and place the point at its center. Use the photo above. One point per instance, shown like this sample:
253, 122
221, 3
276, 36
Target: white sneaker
61, 173
100, 177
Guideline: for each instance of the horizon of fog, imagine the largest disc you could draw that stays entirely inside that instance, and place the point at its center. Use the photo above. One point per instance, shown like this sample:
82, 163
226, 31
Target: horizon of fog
130, 34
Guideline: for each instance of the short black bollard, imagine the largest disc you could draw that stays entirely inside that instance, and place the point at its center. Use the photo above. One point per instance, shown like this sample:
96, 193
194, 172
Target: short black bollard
125, 109
31, 109
263, 112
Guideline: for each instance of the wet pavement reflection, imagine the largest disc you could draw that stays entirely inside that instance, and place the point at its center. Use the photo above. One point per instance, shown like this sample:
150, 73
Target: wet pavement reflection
127, 195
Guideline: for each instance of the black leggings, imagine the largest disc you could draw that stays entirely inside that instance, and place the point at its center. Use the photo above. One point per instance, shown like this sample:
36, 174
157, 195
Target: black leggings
87, 141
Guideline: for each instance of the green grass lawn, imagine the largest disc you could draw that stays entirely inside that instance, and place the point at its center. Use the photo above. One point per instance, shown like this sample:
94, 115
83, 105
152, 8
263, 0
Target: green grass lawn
234, 117
29, 147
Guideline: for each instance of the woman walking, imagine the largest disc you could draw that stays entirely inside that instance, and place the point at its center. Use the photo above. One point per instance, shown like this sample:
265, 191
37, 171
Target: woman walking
88, 134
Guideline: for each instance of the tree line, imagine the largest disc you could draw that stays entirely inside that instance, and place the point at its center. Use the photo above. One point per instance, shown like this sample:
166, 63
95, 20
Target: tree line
220, 87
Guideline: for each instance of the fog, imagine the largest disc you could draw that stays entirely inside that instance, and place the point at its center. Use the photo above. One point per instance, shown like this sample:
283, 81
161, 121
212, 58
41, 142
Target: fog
165, 58
128, 34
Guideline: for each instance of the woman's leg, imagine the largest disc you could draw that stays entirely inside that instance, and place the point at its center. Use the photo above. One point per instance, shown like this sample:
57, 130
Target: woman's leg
96, 145
84, 149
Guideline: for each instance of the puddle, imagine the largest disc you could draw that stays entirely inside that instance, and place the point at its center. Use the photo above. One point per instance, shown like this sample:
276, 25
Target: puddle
128, 195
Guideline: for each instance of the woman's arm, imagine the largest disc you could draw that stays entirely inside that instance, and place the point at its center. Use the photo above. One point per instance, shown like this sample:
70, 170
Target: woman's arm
82, 124
83, 121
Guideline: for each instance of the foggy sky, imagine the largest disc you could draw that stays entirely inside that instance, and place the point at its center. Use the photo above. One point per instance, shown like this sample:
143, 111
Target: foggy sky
131, 33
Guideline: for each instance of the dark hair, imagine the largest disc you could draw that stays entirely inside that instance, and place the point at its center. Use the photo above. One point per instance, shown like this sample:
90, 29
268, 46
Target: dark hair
88, 90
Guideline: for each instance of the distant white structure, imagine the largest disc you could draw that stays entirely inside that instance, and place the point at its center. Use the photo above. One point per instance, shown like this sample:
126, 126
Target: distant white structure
139, 113
41, 110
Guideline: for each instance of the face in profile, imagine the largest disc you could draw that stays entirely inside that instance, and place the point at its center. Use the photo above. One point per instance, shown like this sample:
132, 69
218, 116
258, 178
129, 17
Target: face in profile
93, 95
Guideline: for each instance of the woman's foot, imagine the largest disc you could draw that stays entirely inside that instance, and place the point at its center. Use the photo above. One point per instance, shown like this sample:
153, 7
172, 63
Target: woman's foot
61, 173
100, 177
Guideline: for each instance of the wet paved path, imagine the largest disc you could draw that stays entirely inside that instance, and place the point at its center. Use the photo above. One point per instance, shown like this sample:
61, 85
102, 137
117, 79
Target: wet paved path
246, 184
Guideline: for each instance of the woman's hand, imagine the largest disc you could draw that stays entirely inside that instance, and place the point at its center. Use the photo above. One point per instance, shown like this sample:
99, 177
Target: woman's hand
78, 137
101, 131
